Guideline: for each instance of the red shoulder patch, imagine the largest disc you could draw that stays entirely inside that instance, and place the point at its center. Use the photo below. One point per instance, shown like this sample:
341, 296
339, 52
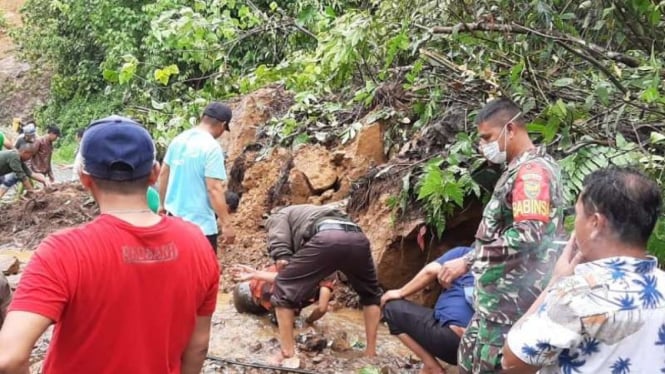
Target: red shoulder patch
531, 194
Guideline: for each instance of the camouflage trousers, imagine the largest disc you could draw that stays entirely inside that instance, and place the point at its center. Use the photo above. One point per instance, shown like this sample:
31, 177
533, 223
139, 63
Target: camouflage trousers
481, 346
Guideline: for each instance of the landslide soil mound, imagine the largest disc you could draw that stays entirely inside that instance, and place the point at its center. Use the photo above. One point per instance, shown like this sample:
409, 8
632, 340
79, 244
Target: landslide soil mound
26, 223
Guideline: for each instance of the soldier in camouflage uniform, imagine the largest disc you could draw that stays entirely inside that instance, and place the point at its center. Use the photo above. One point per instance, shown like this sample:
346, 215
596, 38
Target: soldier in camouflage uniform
514, 253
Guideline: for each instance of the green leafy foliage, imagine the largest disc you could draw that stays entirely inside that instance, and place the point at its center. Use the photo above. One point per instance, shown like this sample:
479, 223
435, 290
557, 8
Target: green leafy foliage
588, 75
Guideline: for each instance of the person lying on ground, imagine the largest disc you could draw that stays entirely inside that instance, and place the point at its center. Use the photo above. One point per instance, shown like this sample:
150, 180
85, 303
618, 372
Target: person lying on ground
41, 160
307, 244
129, 292
604, 309
253, 294
5, 297
13, 168
191, 184
427, 332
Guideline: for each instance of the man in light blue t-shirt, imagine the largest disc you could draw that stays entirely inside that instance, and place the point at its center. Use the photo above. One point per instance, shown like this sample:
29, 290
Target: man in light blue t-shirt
190, 183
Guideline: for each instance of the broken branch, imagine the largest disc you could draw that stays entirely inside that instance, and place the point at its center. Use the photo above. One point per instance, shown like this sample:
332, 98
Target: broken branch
514, 28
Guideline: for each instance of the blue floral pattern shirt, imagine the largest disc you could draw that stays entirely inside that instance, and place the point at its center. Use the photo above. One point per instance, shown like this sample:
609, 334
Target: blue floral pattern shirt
609, 317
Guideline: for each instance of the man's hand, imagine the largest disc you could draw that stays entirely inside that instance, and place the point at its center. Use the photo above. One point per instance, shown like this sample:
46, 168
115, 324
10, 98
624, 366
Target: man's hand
452, 270
390, 295
161, 210
281, 264
570, 257
228, 234
241, 273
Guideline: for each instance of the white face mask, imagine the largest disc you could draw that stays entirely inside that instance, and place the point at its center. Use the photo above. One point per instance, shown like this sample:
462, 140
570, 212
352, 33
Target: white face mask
492, 151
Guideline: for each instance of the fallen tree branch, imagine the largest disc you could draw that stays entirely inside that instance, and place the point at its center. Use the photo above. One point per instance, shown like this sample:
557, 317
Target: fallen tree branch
514, 28
257, 365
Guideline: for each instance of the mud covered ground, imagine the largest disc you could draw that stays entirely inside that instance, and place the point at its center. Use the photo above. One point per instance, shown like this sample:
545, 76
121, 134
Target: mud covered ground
332, 345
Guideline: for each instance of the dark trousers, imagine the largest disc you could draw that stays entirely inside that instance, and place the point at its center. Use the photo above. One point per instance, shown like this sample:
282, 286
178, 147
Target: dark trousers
416, 321
213, 241
326, 252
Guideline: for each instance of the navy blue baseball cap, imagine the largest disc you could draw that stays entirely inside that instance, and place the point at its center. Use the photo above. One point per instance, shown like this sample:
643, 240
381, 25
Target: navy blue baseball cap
118, 149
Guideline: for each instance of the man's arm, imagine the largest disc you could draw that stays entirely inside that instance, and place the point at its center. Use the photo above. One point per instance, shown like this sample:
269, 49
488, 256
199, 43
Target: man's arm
197, 348
39, 178
325, 294
279, 236
163, 184
424, 277
17, 338
215, 188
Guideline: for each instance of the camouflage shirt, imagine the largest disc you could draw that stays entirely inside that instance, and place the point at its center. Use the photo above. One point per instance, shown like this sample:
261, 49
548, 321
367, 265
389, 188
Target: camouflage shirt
514, 253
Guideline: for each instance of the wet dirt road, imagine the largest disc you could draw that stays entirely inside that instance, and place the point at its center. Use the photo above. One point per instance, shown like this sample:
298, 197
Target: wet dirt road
248, 338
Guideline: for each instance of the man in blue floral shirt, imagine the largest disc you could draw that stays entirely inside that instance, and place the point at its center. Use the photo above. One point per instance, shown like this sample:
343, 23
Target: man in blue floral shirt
604, 311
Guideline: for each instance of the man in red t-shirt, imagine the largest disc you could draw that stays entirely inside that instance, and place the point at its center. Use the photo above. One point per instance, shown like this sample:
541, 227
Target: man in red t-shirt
129, 292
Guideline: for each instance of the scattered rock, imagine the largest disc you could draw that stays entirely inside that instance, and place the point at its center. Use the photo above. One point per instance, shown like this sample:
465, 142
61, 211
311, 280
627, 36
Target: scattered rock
315, 344
327, 195
317, 359
341, 342
291, 363
256, 347
9, 265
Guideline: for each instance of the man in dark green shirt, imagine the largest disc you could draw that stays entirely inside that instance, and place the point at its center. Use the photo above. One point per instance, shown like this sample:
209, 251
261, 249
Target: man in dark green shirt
14, 169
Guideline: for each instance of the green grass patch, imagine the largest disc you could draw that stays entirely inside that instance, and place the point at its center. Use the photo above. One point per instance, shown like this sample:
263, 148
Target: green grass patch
64, 153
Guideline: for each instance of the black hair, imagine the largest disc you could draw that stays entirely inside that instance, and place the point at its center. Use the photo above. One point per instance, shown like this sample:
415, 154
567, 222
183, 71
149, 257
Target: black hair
130, 187
80, 132
53, 129
232, 200
501, 106
629, 200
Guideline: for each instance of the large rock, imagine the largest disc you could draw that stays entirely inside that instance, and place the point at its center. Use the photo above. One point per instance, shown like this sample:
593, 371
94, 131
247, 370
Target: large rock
299, 187
369, 144
249, 113
9, 265
315, 162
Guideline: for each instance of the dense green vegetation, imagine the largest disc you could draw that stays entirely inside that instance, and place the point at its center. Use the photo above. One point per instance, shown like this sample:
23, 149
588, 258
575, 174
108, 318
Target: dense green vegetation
588, 74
